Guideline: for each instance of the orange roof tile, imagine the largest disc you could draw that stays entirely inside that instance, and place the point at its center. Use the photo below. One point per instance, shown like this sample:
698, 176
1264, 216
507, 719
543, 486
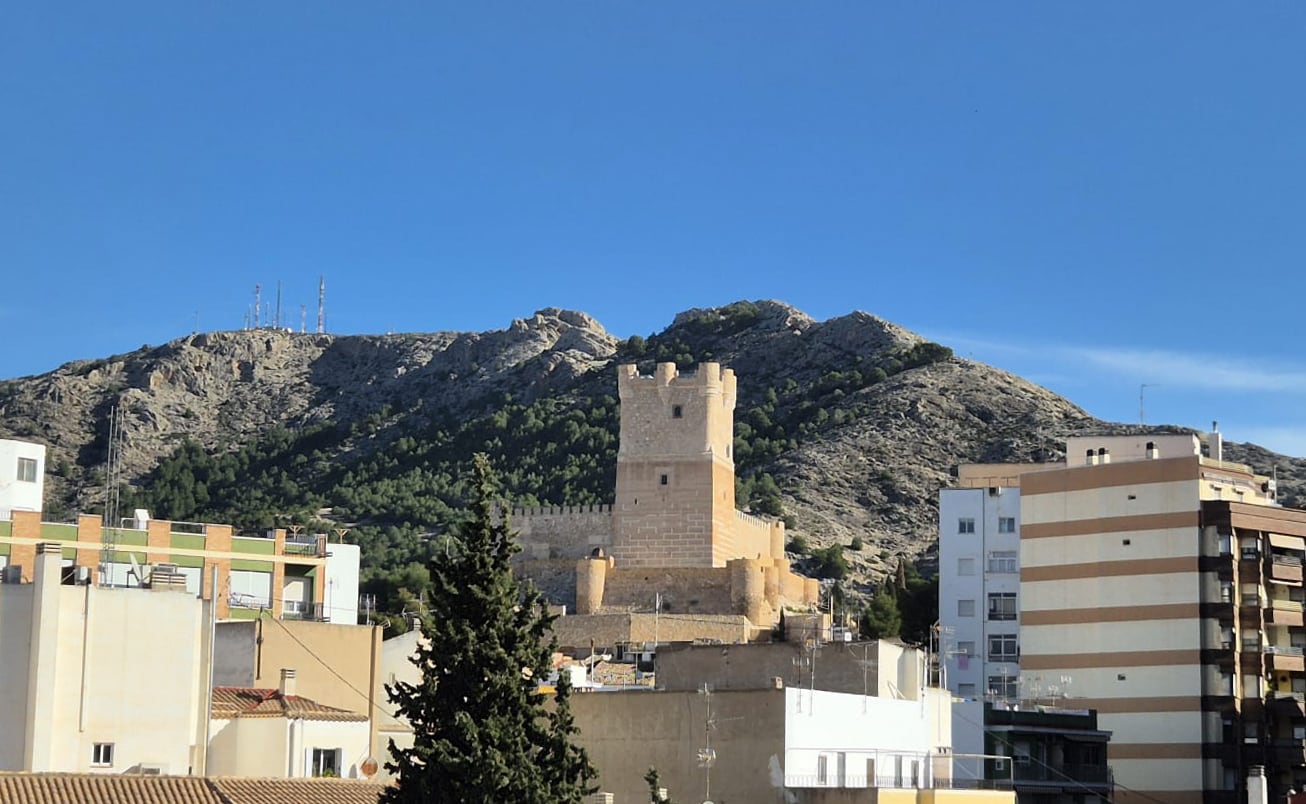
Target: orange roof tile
87, 788
234, 702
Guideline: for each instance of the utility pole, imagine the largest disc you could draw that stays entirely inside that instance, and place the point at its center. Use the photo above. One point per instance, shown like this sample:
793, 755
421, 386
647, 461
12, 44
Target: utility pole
1142, 418
321, 304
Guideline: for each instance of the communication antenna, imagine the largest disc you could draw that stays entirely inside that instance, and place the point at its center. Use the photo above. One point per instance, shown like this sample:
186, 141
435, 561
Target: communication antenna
321, 304
1142, 418
276, 321
258, 309
303, 318
112, 493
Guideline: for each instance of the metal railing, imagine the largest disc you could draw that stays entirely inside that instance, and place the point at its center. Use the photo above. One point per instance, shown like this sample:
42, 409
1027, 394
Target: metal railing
1284, 650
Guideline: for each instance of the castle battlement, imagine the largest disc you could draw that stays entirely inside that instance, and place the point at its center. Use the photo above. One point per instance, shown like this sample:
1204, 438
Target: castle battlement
760, 522
708, 378
561, 510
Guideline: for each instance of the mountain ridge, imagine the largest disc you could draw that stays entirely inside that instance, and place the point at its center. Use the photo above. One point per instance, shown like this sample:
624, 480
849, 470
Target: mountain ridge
849, 425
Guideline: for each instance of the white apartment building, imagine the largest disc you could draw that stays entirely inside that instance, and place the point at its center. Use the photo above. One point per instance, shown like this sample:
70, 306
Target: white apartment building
22, 476
979, 590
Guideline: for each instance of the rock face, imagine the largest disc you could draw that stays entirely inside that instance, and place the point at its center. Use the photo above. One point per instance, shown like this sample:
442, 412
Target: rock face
863, 430
225, 388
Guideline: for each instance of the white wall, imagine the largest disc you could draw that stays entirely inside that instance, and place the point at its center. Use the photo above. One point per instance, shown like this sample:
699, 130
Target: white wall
852, 731
124, 668
340, 597
15, 494
968, 675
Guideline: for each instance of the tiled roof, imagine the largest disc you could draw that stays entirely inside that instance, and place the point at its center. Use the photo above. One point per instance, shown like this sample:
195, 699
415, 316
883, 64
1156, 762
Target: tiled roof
233, 702
297, 791
86, 788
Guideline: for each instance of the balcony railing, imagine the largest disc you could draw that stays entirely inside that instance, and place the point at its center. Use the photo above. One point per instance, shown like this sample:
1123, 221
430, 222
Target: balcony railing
1290, 559
1066, 774
1284, 650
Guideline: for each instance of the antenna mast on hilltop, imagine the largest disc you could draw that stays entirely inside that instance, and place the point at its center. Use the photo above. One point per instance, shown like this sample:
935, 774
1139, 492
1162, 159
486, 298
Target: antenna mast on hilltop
321, 304
303, 318
258, 310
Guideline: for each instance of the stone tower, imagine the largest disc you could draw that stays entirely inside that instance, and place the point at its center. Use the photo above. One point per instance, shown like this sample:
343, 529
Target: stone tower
675, 503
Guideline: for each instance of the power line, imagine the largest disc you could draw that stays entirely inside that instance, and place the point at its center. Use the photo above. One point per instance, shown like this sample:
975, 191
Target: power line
332, 670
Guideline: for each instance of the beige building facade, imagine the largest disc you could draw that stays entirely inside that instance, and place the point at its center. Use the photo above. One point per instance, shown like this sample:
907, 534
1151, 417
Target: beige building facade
100, 680
1163, 589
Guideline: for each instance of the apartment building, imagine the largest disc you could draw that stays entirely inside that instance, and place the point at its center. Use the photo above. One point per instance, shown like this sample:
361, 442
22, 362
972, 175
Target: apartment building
22, 476
96, 680
1163, 588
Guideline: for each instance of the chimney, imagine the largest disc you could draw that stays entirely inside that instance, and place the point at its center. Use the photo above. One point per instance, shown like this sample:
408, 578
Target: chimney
1257, 788
1103, 455
1090, 457
1216, 442
287, 687
1152, 452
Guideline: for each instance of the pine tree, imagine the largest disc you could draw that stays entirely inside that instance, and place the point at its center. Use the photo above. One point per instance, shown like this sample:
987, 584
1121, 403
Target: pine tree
481, 730
881, 619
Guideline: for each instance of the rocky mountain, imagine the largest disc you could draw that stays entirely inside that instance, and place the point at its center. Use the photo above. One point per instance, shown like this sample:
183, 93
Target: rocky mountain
856, 421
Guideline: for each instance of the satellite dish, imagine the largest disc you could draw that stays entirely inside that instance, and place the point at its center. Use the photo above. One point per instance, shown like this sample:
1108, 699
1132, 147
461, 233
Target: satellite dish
369, 767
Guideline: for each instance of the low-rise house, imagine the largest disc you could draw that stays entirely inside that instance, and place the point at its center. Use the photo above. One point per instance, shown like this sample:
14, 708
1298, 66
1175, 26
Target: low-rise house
277, 733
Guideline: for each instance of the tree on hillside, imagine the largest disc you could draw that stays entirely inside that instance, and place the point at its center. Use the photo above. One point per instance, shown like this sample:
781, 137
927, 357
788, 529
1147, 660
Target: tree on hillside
881, 619
482, 731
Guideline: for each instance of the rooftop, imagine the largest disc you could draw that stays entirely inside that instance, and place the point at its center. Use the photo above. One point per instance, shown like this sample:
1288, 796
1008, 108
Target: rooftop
234, 702
60, 788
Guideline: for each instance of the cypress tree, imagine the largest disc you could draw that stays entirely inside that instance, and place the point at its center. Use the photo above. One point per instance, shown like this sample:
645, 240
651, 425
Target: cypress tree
481, 729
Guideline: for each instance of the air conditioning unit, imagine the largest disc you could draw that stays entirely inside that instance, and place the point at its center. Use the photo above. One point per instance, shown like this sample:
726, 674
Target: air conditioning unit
152, 769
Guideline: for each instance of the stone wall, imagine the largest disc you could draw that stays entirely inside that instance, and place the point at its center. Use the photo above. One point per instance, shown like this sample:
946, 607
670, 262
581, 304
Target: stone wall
566, 531
685, 590
555, 578
610, 630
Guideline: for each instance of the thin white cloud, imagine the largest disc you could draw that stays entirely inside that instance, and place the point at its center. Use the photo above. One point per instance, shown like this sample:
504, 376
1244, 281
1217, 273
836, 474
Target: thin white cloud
1191, 370
1285, 440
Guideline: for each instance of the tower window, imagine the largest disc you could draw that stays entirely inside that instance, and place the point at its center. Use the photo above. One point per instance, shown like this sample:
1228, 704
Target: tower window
662, 480
677, 412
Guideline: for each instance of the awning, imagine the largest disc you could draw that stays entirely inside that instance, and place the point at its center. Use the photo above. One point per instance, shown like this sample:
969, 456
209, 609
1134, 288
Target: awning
1287, 542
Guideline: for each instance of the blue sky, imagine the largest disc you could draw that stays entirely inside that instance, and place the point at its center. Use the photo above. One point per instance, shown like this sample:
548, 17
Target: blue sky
1096, 196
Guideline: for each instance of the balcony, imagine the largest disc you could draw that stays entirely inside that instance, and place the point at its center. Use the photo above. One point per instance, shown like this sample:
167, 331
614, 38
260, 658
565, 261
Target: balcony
1290, 752
301, 610
1284, 612
1069, 776
1289, 705
1285, 657
1285, 567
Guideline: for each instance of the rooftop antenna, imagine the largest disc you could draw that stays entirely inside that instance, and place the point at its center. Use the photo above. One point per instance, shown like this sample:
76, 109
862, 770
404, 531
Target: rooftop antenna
321, 304
258, 309
706, 755
303, 318
112, 491
276, 321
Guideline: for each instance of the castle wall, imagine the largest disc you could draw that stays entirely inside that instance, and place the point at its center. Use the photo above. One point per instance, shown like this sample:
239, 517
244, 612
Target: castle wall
684, 590
666, 525
748, 536
555, 578
568, 531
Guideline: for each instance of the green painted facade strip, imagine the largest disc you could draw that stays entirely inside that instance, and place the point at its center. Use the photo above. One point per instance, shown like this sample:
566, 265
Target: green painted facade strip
249, 565
6, 527
187, 541
244, 614
4, 549
121, 557
265, 547
58, 532
69, 553
187, 561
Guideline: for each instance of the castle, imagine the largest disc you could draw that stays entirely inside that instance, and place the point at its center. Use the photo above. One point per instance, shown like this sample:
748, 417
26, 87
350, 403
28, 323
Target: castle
673, 528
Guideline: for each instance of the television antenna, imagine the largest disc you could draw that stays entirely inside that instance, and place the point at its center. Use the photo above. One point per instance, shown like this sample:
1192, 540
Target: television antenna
1142, 417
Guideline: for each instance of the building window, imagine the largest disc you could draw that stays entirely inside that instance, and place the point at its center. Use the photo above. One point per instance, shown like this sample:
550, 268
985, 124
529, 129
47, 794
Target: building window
102, 755
965, 608
822, 769
1002, 648
662, 480
677, 412
27, 470
1006, 524
966, 648
965, 566
1004, 686
1006, 561
326, 762
966, 524
1002, 606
